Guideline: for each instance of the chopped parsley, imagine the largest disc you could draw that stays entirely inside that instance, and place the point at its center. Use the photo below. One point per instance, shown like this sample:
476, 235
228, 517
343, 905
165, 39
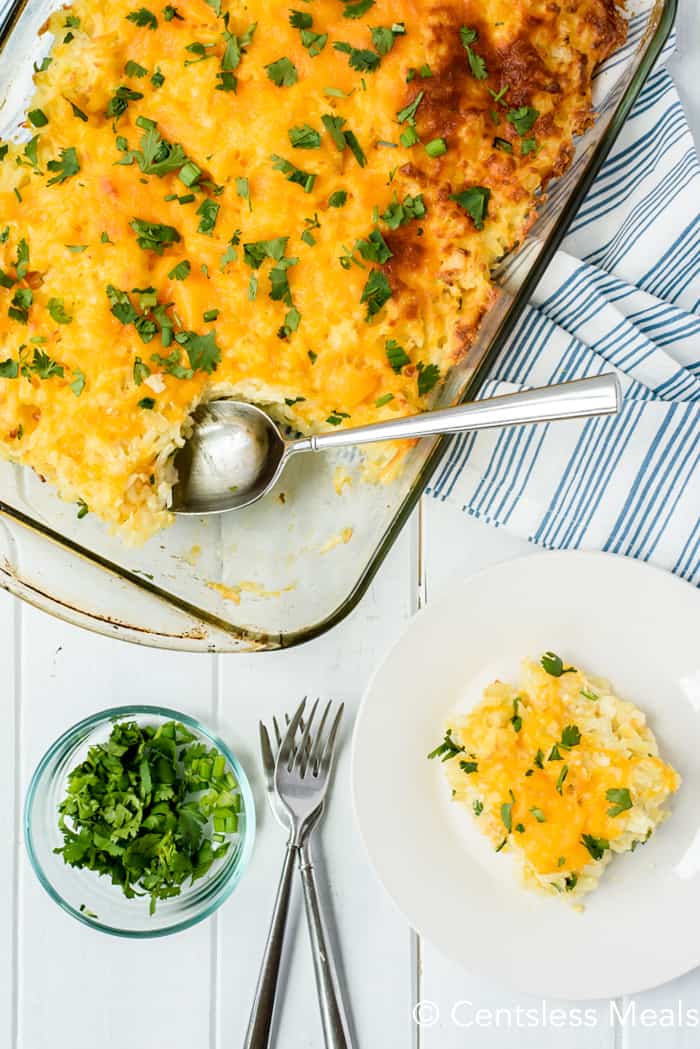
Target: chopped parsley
20, 305
336, 418
9, 369
133, 69
208, 211
399, 213
475, 201
148, 403
447, 749
310, 224
396, 355
477, 807
37, 118
376, 292
554, 665
200, 50
304, 137
595, 846
436, 148
300, 20
159, 157
22, 260
31, 151
428, 375
469, 767
359, 58
42, 366
538, 814
562, 776
202, 350
476, 63
143, 18
57, 310
503, 145
620, 798
77, 111
522, 119
408, 113
375, 248
254, 254
282, 73
181, 271
384, 399
141, 371
154, 236
355, 148
338, 198
507, 814
570, 737
119, 102
588, 694
137, 810
383, 37
65, 167
333, 126
313, 42
357, 8
423, 72
236, 47
292, 173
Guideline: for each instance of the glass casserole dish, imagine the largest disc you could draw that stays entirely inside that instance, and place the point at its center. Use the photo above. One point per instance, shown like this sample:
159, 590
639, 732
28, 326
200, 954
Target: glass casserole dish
290, 567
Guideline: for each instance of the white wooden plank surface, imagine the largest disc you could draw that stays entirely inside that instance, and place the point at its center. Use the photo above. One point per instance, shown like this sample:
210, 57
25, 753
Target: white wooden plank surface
124, 993
374, 940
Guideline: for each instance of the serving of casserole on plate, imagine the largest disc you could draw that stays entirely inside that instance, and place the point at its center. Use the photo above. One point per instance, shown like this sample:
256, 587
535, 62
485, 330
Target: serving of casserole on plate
299, 207
560, 771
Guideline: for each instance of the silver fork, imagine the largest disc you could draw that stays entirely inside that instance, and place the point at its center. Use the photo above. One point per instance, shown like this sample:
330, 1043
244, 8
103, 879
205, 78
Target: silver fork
302, 775
260, 1023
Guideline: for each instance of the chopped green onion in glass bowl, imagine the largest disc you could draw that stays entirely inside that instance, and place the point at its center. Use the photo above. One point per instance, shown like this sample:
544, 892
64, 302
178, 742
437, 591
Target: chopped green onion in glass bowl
139, 821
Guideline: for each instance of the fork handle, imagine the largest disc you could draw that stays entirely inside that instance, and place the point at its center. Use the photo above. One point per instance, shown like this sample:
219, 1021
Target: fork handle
260, 1022
336, 1032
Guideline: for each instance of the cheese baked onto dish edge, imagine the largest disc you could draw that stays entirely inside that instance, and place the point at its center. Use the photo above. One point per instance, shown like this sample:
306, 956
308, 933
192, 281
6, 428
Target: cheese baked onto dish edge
298, 208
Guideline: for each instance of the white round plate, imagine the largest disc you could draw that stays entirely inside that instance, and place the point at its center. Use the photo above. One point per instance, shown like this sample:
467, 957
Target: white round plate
637, 626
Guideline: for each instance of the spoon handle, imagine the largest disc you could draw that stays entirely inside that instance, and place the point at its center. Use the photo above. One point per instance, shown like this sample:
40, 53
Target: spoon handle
581, 398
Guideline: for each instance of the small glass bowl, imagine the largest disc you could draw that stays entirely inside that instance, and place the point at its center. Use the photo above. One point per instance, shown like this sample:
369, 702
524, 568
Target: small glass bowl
92, 898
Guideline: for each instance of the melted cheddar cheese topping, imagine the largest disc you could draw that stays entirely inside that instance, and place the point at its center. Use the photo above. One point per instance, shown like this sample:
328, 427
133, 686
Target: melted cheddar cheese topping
560, 770
299, 207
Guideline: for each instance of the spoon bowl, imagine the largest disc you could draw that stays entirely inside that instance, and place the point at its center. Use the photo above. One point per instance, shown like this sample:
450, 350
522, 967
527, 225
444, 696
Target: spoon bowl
236, 453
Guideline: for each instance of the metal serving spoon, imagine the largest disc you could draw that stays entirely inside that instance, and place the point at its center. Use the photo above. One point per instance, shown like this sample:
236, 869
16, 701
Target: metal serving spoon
236, 452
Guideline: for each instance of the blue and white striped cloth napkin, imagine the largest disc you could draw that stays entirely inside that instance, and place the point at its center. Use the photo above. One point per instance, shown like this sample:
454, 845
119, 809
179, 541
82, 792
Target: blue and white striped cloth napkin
624, 292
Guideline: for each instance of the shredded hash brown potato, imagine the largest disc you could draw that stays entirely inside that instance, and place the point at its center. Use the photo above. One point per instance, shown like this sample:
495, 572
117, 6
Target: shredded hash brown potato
297, 207
560, 771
